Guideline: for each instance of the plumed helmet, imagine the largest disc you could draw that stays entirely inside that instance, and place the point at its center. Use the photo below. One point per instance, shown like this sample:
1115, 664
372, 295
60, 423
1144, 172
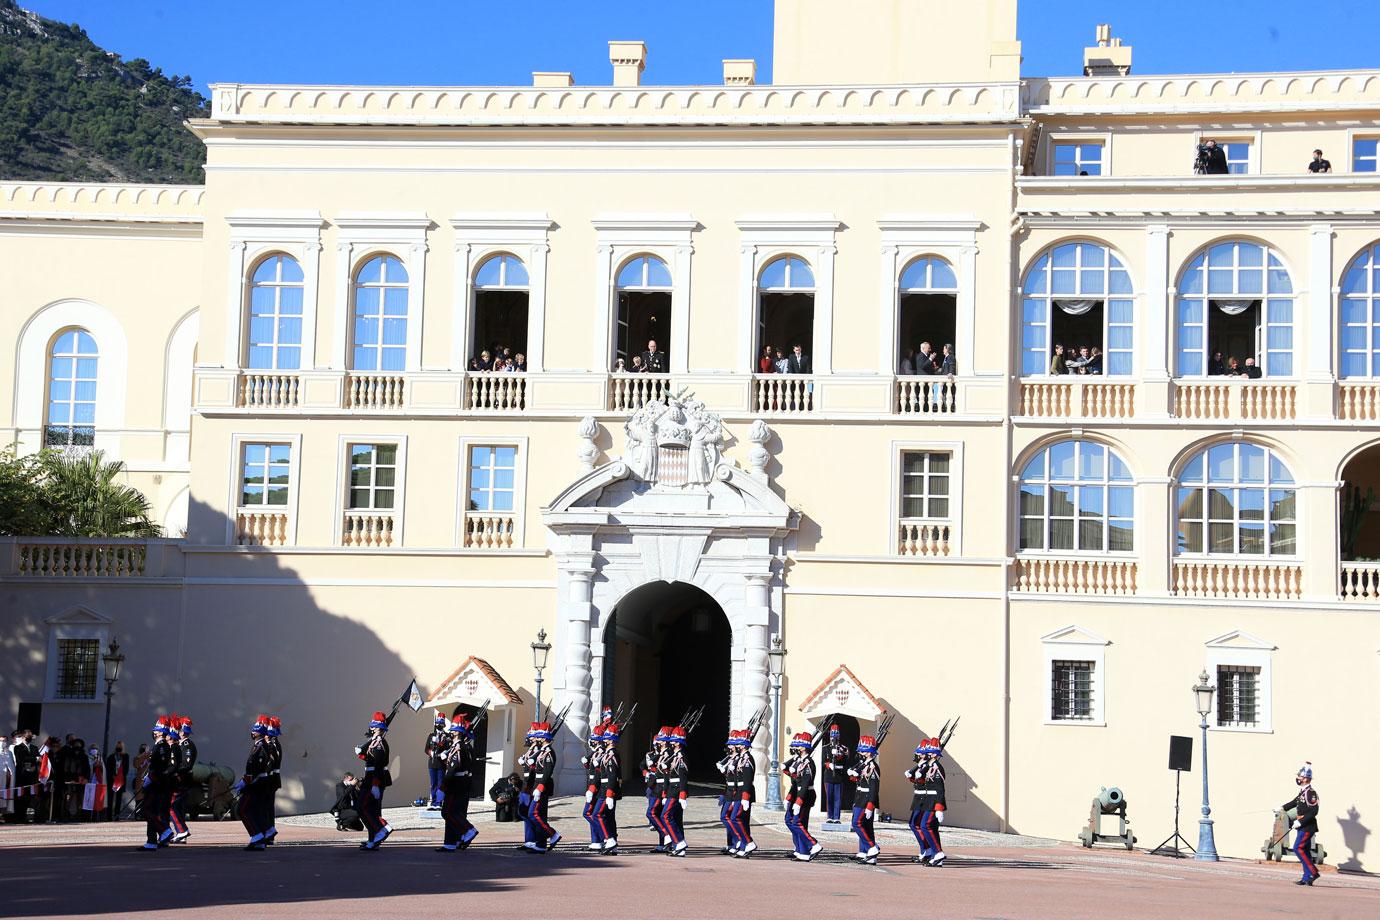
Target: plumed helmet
802, 741
163, 725
677, 736
664, 734
612, 731
184, 725
275, 726
260, 726
380, 720
833, 731
596, 734
461, 725
867, 745
1306, 771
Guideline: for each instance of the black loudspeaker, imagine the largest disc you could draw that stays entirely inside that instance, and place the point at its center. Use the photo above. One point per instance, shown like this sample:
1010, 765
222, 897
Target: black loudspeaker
30, 716
1180, 753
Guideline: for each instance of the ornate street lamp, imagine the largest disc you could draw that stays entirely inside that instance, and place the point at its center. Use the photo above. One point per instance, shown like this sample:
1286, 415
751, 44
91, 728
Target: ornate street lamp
540, 649
1202, 695
776, 661
112, 660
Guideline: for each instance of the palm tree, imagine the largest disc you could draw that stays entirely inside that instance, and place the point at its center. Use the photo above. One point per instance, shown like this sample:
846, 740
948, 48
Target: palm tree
83, 498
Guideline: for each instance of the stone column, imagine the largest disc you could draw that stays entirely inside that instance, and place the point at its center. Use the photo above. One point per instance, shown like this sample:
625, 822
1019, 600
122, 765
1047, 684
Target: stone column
756, 676
1316, 320
1153, 325
576, 610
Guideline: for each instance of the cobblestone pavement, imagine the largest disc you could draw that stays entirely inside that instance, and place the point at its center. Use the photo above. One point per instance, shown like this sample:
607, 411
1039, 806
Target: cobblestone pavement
86, 870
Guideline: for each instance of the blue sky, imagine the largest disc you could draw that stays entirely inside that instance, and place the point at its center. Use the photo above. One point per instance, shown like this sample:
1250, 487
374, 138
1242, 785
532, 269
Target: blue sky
440, 42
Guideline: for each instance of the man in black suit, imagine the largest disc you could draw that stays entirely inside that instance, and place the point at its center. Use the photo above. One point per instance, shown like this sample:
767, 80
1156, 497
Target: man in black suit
346, 807
25, 754
799, 362
653, 361
947, 365
1214, 160
117, 776
926, 362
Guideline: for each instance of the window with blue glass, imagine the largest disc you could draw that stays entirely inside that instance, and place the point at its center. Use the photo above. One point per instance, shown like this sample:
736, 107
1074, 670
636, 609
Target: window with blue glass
492, 478
380, 326
1360, 315
1235, 304
1238, 157
1078, 305
72, 364
1082, 158
1237, 499
644, 315
1077, 496
275, 315
785, 310
1365, 154
264, 479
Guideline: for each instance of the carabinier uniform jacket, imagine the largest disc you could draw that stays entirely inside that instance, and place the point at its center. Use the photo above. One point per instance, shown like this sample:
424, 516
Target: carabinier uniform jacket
437, 744
256, 767
835, 763
541, 773
802, 774
928, 794
868, 777
162, 765
677, 776
184, 759
376, 759
741, 771
1307, 804
610, 777
661, 773
458, 762
275, 763
649, 772
591, 761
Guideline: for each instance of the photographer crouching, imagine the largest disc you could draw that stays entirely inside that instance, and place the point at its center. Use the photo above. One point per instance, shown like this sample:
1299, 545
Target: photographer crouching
1211, 160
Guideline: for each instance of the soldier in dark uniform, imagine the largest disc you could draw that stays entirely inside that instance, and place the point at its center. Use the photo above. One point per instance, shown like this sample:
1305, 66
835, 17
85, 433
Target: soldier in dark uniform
541, 782
610, 789
801, 798
725, 766
273, 743
457, 769
745, 793
866, 795
927, 801
158, 786
654, 782
184, 761
437, 744
253, 786
677, 791
835, 769
590, 760
376, 778
1306, 823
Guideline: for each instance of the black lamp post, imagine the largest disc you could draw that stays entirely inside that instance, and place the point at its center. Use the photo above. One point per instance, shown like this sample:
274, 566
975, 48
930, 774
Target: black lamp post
112, 660
540, 649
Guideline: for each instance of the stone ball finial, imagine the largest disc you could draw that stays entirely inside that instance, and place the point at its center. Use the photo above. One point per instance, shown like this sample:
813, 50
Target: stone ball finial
587, 452
758, 455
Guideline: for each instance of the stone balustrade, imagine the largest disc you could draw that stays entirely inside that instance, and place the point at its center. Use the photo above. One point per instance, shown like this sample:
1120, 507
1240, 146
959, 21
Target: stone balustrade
1074, 575
783, 394
924, 538
1247, 580
495, 391
1359, 581
1090, 397
375, 391
255, 527
630, 392
367, 529
1358, 402
926, 396
494, 530
104, 559
1237, 400
269, 390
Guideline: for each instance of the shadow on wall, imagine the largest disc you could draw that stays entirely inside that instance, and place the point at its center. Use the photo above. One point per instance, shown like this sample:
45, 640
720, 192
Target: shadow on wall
1354, 835
966, 808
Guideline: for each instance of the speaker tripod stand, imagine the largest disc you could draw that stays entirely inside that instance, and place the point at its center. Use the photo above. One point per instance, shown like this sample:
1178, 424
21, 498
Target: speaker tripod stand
1171, 847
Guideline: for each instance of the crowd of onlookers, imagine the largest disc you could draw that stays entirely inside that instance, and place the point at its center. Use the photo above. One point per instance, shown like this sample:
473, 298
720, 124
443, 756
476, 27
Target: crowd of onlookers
499, 358
926, 362
1084, 360
58, 780
778, 361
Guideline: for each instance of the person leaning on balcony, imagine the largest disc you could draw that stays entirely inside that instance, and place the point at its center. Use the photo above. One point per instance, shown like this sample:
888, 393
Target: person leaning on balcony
1318, 164
767, 363
653, 361
798, 362
486, 361
1057, 365
520, 362
1252, 370
783, 364
1234, 368
948, 367
637, 367
1094, 365
1215, 367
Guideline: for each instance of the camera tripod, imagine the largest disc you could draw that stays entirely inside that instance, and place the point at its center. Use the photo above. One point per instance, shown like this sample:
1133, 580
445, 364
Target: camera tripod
1165, 849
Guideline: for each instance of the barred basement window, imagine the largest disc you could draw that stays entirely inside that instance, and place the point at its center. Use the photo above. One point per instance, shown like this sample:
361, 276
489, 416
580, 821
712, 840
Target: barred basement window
76, 677
1073, 691
1238, 695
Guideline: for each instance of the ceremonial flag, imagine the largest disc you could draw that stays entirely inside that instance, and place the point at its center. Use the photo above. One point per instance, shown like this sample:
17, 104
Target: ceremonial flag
119, 782
45, 768
93, 796
413, 696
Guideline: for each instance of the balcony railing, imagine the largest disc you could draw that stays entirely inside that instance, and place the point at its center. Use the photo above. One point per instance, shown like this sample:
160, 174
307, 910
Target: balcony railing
77, 559
375, 391
1259, 580
269, 390
368, 529
1359, 581
783, 394
1090, 397
1244, 400
495, 391
258, 527
1358, 402
490, 530
630, 392
926, 396
1074, 575
923, 538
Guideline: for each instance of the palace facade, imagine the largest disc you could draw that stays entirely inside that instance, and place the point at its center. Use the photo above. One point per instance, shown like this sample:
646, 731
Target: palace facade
285, 360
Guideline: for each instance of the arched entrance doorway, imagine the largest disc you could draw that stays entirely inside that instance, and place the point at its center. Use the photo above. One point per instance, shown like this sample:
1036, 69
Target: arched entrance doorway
667, 647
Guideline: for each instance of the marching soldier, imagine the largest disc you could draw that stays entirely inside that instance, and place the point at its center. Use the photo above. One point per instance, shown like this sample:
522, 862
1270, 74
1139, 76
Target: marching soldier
677, 791
866, 794
1306, 824
376, 778
801, 798
610, 789
437, 744
593, 805
274, 746
541, 785
253, 785
654, 766
458, 768
158, 786
835, 769
726, 799
184, 760
742, 791
927, 801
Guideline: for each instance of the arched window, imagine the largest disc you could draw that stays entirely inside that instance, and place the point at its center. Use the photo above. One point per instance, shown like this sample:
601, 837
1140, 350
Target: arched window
1078, 295
1236, 300
1360, 332
1077, 496
380, 328
644, 313
72, 390
275, 315
786, 307
500, 313
927, 313
1237, 499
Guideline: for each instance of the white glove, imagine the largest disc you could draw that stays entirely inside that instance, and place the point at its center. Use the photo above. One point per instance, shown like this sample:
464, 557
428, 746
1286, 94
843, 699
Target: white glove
376, 792
589, 796
909, 774
608, 803
584, 761
536, 795
867, 813
747, 806
237, 788
1297, 824
939, 816
795, 809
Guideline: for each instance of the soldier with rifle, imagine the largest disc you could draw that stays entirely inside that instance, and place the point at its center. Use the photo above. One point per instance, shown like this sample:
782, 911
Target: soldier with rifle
253, 785
1306, 823
158, 786
273, 743
927, 801
654, 767
835, 770
540, 784
457, 760
726, 799
677, 791
376, 778
610, 789
801, 797
184, 761
593, 805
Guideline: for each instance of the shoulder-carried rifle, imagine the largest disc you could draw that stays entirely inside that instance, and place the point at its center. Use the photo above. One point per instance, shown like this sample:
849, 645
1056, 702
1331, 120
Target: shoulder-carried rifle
884, 728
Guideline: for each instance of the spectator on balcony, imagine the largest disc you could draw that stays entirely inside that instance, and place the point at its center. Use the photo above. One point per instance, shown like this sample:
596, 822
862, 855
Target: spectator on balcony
1252, 370
1214, 160
637, 366
653, 361
507, 367
507, 354
798, 362
1234, 368
783, 364
1094, 365
1058, 366
1075, 365
486, 360
1215, 367
520, 363
767, 363
907, 367
926, 362
1318, 164
948, 367
620, 366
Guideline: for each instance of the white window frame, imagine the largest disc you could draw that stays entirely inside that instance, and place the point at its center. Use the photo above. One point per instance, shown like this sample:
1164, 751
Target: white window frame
1244, 650
1370, 253
237, 443
907, 237
382, 286
277, 286
1252, 138
519, 486
1298, 303
1206, 486
1360, 134
360, 236
479, 235
78, 622
1061, 137
1049, 299
954, 520
253, 235
1074, 643
1105, 483
622, 236
72, 380
343, 483
763, 238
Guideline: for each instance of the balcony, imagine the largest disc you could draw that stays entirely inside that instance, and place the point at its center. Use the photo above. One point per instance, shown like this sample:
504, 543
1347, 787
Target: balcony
1358, 402
1359, 581
1237, 400
51, 558
367, 529
1074, 575
923, 538
926, 396
260, 527
497, 392
1089, 397
495, 530
783, 394
375, 391
1244, 580
630, 392
269, 390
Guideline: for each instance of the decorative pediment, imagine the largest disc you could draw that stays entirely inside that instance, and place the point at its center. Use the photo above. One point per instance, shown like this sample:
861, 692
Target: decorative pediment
674, 442
472, 684
1075, 635
1239, 639
733, 496
78, 616
844, 694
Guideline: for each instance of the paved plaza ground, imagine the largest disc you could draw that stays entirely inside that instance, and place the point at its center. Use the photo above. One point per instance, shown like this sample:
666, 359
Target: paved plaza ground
81, 870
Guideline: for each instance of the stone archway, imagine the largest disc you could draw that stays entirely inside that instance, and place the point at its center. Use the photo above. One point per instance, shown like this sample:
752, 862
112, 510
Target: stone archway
672, 511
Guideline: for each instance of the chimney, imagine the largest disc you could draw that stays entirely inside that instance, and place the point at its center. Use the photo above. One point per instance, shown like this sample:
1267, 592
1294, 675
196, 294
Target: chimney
1109, 58
628, 59
551, 78
740, 72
